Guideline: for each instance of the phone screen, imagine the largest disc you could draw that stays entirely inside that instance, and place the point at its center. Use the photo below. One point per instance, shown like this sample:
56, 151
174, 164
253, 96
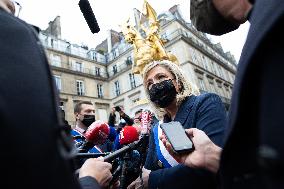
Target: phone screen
176, 135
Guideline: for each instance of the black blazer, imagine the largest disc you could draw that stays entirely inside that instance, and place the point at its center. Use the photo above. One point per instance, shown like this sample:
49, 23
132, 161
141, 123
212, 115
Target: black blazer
254, 149
32, 154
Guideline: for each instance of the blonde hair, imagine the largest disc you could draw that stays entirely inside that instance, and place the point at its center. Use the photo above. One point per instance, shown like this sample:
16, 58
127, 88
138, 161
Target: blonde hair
187, 88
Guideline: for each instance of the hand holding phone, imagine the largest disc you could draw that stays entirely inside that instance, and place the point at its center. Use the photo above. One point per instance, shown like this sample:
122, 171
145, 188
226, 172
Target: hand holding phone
177, 137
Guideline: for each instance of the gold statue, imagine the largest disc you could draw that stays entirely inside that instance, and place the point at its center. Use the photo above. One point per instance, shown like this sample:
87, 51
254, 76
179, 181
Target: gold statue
147, 49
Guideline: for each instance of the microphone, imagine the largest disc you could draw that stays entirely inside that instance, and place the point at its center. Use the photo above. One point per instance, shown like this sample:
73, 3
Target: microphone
128, 135
89, 16
127, 148
97, 132
146, 120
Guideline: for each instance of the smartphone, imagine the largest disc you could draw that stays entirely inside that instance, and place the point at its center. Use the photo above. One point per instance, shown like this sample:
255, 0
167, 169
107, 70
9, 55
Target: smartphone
177, 137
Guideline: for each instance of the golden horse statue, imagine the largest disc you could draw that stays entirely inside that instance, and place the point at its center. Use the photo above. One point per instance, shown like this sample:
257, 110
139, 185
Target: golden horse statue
147, 49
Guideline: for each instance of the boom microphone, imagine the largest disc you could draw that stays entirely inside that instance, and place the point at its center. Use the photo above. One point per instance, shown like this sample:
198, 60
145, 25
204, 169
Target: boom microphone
89, 16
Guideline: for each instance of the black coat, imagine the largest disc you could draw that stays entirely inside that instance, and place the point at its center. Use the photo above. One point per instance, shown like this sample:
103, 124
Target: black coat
253, 155
32, 153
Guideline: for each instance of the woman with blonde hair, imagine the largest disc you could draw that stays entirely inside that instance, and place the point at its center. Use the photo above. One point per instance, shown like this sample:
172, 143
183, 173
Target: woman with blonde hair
173, 98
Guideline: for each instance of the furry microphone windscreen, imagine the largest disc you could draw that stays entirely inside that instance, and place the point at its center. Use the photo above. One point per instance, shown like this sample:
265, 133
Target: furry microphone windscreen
89, 16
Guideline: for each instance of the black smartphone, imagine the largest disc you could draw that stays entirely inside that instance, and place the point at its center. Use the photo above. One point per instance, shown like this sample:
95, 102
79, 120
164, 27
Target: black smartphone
177, 137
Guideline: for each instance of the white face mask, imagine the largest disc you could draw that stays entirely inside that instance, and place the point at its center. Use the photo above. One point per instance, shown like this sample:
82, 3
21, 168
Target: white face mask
206, 18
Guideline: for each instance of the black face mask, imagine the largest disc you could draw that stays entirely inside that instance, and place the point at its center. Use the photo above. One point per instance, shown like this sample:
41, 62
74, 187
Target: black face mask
205, 17
88, 120
163, 93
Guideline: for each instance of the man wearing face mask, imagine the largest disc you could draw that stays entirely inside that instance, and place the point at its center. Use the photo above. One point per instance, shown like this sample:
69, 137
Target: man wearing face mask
218, 17
85, 115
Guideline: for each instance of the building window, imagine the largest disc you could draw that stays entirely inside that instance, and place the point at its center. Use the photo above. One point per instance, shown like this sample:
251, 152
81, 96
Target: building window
211, 85
132, 81
98, 71
220, 71
117, 89
128, 60
55, 60
164, 37
114, 69
57, 80
78, 67
217, 70
80, 87
204, 62
100, 90
201, 84
135, 100
62, 105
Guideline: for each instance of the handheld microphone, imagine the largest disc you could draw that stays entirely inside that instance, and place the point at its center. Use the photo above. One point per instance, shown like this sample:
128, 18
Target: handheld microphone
89, 16
146, 120
127, 135
97, 132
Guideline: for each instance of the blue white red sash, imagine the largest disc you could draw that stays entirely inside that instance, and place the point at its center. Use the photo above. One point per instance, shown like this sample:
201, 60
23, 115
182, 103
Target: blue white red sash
162, 154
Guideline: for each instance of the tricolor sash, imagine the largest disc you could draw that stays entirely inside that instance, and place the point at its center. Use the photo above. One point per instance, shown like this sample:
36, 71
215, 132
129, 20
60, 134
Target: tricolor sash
162, 153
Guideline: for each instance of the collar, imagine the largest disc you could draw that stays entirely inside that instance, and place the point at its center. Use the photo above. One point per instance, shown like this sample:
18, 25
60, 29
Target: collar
80, 130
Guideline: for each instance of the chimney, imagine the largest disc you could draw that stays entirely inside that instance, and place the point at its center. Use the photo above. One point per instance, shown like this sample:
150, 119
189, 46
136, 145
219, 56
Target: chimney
54, 28
109, 42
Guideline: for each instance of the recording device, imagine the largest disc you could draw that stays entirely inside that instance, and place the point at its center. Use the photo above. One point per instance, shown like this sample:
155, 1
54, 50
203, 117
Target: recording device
117, 108
177, 137
146, 121
97, 133
89, 16
126, 136
127, 148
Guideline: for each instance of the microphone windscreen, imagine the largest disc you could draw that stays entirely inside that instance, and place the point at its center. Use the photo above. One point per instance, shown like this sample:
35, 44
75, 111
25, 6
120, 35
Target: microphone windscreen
89, 16
128, 135
97, 132
146, 120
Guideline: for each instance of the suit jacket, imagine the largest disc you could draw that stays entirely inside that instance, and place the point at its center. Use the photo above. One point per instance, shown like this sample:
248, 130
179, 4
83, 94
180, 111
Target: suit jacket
205, 112
253, 153
35, 150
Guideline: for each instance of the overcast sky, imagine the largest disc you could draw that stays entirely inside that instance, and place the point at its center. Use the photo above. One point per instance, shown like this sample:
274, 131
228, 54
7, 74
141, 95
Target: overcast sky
109, 14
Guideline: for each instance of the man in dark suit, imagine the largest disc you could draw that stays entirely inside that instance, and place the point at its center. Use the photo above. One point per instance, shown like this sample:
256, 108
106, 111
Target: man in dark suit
253, 155
36, 151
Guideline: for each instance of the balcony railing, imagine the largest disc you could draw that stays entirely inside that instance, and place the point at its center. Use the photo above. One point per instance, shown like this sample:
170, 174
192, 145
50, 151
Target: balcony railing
75, 68
72, 49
